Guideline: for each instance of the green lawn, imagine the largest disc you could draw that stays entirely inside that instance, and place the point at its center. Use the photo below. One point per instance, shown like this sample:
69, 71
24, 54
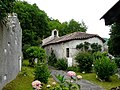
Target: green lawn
114, 81
24, 82
21, 82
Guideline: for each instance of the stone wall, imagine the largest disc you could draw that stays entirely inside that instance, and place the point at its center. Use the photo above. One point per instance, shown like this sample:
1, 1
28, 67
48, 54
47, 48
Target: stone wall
10, 49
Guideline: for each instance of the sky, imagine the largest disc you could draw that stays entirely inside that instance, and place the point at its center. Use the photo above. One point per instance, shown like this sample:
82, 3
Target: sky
89, 11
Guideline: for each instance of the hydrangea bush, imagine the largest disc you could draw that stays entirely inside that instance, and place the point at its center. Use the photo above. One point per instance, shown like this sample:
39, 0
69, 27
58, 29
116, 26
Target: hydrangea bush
70, 84
63, 84
36, 85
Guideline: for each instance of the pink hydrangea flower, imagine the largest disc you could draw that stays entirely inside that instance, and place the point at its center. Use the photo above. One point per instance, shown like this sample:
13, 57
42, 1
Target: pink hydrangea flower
71, 73
36, 84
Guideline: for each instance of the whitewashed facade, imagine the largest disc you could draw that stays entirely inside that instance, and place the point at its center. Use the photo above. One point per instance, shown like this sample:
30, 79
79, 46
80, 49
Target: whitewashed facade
62, 49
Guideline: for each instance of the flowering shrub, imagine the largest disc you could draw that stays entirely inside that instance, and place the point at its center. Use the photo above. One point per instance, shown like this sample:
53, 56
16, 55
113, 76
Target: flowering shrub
71, 73
36, 85
64, 84
70, 84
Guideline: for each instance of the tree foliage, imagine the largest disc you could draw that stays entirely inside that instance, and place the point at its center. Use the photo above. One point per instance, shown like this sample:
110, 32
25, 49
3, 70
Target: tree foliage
74, 26
34, 24
117, 61
86, 46
85, 61
96, 47
83, 46
42, 72
52, 59
67, 27
104, 67
62, 64
114, 43
6, 6
36, 52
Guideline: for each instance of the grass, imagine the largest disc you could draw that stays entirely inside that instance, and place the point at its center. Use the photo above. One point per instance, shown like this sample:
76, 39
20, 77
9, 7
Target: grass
114, 81
24, 82
21, 82
24, 79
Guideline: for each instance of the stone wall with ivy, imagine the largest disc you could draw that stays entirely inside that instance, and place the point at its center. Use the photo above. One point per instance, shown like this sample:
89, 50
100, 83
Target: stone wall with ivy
10, 49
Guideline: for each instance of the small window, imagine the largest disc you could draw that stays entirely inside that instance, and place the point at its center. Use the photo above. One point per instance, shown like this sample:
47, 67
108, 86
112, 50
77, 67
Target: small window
5, 50
67, 52
55, 33
5, 77
8, 43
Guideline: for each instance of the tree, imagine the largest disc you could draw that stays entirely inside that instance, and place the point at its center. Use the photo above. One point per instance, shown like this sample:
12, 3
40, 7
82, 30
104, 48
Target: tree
52, 59
63, 30
74, 26
114, 43
6, 6
54, 24
67, 27
34, 23
36, 52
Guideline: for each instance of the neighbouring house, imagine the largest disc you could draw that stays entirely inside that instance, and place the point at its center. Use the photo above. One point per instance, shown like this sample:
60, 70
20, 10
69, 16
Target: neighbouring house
10, 49
112, 15
65, 46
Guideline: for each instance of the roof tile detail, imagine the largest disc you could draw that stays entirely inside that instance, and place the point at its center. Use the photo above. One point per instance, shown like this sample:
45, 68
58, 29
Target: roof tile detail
72, 36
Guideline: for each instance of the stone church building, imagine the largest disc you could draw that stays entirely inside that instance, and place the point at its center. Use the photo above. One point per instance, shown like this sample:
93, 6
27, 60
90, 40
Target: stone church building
65, 46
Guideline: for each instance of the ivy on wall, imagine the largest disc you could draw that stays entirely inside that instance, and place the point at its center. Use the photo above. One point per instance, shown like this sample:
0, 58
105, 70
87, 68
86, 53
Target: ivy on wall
86, 46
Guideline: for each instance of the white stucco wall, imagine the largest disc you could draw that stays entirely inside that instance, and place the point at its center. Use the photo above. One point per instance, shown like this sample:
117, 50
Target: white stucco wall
60, 49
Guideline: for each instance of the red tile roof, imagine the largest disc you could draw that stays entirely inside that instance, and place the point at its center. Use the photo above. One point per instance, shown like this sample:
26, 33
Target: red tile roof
72, 36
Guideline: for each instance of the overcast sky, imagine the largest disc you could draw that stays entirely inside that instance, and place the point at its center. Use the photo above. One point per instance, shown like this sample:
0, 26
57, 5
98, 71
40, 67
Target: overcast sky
90, 11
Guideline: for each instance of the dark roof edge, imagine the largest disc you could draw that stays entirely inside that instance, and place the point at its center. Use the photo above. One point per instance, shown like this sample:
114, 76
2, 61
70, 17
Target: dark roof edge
109, 10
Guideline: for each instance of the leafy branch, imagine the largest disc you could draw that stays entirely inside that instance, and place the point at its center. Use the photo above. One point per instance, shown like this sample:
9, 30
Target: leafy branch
6, 6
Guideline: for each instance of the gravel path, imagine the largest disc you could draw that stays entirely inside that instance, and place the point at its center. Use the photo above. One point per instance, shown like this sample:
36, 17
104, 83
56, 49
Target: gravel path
85, 85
